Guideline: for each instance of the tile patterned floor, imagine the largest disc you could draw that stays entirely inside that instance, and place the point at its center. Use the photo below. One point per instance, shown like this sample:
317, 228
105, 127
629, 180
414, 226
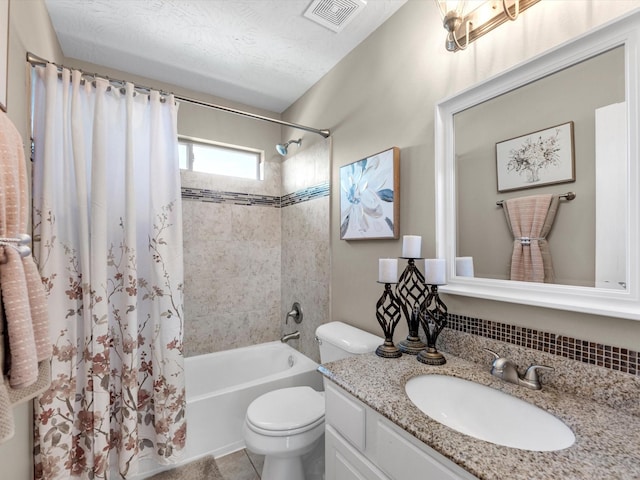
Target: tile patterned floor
240, 465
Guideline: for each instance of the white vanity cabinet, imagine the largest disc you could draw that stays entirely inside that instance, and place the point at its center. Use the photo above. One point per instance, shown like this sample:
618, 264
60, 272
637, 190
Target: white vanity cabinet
360, 444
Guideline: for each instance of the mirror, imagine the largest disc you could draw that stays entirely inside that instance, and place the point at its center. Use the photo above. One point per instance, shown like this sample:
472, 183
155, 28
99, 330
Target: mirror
585, 91
572, 96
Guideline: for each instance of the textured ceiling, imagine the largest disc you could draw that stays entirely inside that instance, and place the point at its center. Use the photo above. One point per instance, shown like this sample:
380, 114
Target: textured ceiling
263, 53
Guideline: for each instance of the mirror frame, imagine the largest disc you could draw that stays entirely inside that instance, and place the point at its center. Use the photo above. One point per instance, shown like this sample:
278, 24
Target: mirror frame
625, 32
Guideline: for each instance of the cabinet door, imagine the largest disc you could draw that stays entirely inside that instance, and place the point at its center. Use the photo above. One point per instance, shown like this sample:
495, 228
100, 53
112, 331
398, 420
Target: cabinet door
346, 415
343, 462
400, 457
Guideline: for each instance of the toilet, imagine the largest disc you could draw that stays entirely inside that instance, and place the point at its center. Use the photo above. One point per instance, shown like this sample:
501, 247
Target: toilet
287, 424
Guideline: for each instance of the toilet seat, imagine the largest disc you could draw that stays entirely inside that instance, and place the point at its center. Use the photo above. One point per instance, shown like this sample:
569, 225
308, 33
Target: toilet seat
287, 411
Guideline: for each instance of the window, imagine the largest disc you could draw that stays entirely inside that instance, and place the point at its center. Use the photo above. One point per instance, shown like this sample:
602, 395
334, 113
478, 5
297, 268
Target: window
220, 159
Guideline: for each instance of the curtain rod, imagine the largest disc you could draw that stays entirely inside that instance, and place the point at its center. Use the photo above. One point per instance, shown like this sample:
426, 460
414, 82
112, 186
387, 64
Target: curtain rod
36, 60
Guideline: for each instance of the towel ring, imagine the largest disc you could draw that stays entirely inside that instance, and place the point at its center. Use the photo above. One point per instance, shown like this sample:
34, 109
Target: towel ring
19, 243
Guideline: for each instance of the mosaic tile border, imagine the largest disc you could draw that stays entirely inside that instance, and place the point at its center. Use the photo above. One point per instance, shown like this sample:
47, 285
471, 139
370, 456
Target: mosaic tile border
234, 198
615, 358
249, 199
306, 194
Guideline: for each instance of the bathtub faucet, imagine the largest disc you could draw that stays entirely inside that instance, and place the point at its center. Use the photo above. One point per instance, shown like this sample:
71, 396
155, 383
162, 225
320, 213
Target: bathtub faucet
290, 336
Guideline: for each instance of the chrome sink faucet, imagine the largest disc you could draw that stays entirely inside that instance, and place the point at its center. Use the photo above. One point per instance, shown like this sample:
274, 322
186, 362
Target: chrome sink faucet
506, 370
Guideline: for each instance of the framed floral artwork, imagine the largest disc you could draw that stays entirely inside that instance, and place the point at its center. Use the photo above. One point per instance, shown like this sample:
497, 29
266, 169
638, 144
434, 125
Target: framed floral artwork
539, 158
370, 197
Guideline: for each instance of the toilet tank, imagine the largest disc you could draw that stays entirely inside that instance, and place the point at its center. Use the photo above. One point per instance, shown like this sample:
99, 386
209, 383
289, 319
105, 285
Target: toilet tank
338, 340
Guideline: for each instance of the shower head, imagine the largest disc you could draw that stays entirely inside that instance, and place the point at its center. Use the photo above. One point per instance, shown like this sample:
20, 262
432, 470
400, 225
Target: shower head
282, 148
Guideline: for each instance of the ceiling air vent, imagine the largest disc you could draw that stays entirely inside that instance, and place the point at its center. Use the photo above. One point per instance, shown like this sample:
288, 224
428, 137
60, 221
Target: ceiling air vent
334, 14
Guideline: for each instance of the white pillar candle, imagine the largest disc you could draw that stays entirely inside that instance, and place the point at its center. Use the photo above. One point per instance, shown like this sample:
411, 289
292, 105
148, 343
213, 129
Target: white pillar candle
435, 271
464, 266
388, 270
411, 246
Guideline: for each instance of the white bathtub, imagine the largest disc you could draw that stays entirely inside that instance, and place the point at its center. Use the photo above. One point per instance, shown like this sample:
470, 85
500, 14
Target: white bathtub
221, 385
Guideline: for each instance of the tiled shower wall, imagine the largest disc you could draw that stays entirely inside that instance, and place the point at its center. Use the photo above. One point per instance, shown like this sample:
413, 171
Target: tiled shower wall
242, 241
306, 261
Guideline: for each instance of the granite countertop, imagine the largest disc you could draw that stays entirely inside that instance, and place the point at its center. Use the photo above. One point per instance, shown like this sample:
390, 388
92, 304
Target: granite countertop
607, 442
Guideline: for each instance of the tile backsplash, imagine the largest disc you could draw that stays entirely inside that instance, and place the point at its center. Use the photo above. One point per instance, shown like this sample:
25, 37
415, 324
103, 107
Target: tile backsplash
593, 353
602, 373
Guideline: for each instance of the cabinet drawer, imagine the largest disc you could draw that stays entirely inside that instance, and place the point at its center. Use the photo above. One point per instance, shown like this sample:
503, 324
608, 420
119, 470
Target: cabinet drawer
346, 416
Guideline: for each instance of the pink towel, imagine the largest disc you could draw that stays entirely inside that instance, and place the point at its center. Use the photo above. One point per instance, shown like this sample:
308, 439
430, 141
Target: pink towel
530, 219
23, 295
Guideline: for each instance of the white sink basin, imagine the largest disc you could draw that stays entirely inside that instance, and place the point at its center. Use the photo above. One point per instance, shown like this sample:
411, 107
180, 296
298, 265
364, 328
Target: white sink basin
488, 414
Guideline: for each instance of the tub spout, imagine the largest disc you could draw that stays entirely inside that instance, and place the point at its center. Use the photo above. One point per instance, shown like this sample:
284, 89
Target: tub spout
290, 336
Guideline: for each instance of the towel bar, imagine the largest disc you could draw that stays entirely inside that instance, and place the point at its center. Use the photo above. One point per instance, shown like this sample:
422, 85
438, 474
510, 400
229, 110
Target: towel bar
568, 196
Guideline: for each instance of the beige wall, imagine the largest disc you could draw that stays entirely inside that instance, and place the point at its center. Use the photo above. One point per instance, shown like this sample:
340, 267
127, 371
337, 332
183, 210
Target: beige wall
29, 30
383, 94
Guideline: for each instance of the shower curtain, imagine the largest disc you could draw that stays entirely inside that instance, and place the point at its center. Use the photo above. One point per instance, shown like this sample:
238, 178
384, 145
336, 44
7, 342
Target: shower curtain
108, 231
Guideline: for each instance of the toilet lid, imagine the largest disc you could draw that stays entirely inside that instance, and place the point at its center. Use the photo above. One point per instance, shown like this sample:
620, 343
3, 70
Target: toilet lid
286, 409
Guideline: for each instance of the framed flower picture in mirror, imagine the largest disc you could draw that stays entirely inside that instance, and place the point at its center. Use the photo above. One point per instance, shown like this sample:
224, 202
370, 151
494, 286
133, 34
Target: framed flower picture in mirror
539, 158
370, 197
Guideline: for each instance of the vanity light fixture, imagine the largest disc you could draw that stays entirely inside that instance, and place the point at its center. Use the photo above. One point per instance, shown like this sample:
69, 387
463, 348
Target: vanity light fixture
467, 20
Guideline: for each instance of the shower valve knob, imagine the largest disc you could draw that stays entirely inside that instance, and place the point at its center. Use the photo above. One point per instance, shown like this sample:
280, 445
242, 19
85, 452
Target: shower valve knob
295, 313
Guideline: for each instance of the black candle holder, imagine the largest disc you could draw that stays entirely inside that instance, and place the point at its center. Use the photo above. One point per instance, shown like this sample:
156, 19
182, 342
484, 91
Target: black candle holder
388, 315
433, 318
410, 292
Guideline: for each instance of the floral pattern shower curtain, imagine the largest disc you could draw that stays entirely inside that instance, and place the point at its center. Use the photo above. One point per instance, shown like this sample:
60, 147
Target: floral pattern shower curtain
107, 218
